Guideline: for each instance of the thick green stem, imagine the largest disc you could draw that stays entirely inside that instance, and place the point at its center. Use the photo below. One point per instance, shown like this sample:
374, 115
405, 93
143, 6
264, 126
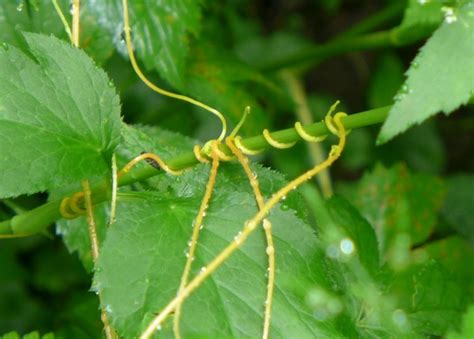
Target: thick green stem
316, 54
381, 18
38, 219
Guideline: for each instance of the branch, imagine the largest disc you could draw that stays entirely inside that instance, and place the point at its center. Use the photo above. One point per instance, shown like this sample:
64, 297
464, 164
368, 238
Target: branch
38, 219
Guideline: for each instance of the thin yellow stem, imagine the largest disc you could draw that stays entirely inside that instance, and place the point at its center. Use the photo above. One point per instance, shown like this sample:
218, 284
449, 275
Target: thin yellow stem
91, 220
63, 19
267, 227
136, 68
303, 113
249, 227
153, 158
113, 200
195, 236
109, 332
76, 14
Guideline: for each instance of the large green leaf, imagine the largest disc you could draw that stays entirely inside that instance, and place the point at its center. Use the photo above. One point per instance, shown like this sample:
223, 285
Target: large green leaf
139, 267
161, 31
441, 78
59, 117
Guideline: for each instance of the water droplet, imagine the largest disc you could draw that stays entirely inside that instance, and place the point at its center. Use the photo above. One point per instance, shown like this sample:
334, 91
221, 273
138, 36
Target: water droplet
201, 227
332, 251
122, 38
449, 15
111, 84
203, 214
284, 207
283, 197
347, 246
238, 238
202, 270
415, 64
255, 175
249, 225
158, 328
190, 243
422, 2
20, 6
108, 309
270, 250
5, 46
399, 318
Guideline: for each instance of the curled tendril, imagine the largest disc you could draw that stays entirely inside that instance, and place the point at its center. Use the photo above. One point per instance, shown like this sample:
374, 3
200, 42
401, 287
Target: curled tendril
305, 135
72, 207
153, 160
275, 143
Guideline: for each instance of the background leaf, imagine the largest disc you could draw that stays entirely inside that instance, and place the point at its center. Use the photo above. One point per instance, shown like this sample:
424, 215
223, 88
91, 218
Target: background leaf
161, 32
457, 209
59, 113
398, 204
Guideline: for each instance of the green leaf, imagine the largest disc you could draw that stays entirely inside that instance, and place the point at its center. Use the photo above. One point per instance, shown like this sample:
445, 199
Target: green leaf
360, 238
467, 330
399, 205
441, 78
138, 270
161, 32
59, 117
457, 209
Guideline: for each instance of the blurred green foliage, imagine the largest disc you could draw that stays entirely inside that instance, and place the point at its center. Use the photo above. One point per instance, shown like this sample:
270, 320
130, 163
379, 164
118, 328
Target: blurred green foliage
389, 255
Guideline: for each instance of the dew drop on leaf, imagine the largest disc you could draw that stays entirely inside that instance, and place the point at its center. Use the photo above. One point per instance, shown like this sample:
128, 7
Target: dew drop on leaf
20, 6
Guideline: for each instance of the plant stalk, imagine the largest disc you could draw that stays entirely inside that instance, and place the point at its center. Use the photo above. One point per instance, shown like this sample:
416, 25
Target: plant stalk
39, 218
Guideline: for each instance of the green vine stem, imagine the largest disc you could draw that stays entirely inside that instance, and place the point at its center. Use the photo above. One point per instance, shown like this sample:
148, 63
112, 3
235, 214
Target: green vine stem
38, 219
316, 54
380, 18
